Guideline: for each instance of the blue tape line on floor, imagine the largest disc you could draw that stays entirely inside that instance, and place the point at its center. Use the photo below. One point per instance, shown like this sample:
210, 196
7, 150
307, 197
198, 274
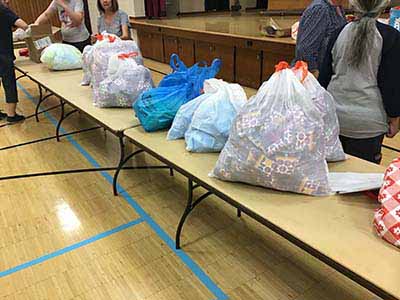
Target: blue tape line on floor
201, 275
70, 248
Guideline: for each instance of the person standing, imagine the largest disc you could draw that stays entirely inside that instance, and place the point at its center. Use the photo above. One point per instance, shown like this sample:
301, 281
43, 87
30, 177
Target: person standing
360, 70
318, 22
113, 20
72, 18
8, 20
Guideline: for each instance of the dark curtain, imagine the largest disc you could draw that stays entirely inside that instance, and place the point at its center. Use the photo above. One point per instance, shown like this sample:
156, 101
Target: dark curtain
155, 8
262, 4
217, 5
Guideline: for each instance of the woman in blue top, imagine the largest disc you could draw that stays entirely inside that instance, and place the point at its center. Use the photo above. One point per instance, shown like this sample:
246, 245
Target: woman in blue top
112, 19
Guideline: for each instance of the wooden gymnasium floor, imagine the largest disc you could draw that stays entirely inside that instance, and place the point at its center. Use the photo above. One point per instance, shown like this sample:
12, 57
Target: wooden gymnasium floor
68, 237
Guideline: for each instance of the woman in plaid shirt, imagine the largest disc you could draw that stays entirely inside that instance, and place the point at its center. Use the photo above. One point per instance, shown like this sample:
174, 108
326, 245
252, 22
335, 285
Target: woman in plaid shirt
318, 22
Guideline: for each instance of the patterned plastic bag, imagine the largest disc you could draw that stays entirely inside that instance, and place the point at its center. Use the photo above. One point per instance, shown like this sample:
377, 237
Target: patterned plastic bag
125, 82
323, 100
101, 57
276, 140
87, 59
61, 57
387, 218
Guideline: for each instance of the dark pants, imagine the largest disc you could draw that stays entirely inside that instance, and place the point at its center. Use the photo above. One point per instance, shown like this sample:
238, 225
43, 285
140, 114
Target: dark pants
367, 149
9, 82
80, 45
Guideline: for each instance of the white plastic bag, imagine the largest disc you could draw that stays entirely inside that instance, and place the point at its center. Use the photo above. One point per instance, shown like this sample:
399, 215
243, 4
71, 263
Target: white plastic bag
276, 140
212, 120
101, 57
325, 103
19, 35
87, 60
61, 57
125, 81
184, 116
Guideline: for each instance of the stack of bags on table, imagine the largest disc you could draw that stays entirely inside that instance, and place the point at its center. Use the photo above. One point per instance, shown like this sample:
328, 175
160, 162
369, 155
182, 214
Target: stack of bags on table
115, 70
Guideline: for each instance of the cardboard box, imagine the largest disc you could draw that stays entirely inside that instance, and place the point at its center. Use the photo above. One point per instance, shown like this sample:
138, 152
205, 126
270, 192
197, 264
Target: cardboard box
41, 37
277, 28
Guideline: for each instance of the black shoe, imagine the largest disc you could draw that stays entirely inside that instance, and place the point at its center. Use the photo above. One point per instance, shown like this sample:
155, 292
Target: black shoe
15, 119
3, 115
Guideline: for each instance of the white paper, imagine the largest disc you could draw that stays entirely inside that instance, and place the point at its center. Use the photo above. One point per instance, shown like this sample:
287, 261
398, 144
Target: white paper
347, 182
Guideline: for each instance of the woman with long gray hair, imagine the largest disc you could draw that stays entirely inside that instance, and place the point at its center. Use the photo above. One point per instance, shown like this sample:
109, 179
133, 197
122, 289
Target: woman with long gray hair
360, 70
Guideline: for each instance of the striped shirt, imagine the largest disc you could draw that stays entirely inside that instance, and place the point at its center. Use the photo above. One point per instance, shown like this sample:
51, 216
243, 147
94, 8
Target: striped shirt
318, 22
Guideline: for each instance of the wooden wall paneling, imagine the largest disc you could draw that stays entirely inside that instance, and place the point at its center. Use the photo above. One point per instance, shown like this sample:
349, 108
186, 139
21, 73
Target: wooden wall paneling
208, 51
170, 47
271, 59
288, 4
29, 10
151, 44
186, 51
248, 67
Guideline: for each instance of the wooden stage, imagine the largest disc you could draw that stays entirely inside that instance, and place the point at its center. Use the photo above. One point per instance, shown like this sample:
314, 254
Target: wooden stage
248, 57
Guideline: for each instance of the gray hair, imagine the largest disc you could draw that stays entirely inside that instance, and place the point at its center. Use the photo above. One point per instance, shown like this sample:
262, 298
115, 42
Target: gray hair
366, 12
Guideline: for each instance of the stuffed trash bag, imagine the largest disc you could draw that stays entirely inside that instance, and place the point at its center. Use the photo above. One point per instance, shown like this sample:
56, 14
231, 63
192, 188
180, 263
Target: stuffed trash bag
276, 140
156, 108
212, 120
101, 58
184, 116
60, 57
125, 82
87, 55
325, 103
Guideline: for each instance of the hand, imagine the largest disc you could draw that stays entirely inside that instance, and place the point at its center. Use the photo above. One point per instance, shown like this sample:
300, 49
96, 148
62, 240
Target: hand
394, 127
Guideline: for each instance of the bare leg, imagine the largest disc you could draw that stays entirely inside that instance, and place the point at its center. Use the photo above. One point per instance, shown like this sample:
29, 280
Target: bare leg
11, 109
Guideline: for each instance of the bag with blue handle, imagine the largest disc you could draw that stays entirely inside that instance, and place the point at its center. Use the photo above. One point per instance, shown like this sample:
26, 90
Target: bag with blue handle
156, 108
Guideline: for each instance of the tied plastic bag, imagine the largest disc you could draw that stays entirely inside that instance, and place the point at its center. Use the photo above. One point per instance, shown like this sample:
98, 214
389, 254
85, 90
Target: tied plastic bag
212, 120
387, 218
125, 82
156, 108
276, 140
87, 56
184, 116
325, 103
101, 57
61, 57
19, 35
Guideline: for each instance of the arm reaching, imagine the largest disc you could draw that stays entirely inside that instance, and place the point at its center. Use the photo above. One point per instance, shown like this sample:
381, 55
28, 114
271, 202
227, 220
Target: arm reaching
46, 15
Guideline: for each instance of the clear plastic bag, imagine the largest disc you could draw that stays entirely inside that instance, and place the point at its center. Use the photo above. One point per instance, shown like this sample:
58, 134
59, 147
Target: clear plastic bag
276, 140
212, 120
126, 80
61, 57
325, 103
87, 59
101, 57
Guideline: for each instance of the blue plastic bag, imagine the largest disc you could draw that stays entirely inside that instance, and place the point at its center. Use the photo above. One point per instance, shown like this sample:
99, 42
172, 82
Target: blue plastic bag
212, 120
156, 108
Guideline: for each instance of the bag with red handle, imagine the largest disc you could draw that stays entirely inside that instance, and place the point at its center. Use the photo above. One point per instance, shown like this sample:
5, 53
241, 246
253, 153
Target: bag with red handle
87, 58
387, 218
